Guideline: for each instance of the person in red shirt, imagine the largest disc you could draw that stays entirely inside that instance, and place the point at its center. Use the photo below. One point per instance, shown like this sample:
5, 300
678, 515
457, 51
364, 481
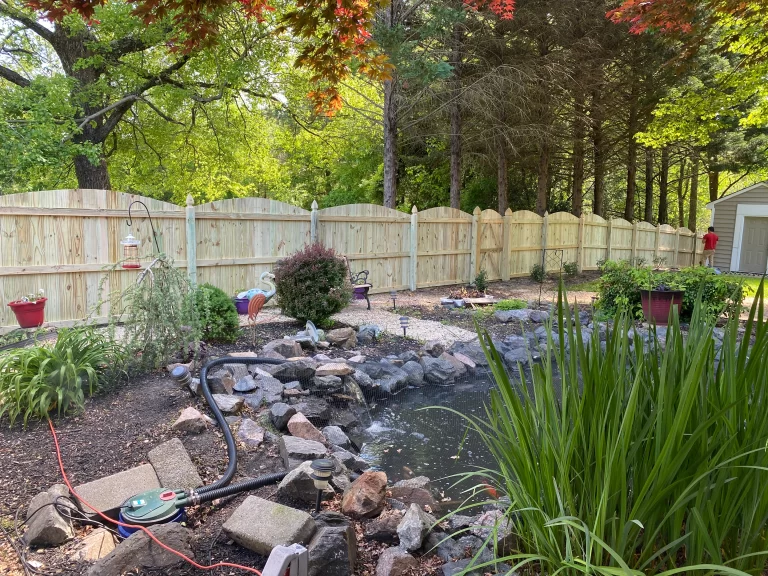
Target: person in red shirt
710, 242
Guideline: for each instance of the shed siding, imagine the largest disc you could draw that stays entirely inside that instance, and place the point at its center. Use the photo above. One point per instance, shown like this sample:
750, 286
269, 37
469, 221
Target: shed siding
725, 222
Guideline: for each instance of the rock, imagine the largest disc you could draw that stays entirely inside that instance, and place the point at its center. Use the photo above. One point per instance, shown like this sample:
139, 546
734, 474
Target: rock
538, 316
286, 347
396, 562
216, 380
343, 337
495, 520
279, 414
228, 404
327, 385
392, 359
190, 421
322, 358
236, 369
45, 526
472, 350
299, 485
348, 459
348, 419
271, 387
518, 355
363, 381
334, 369
409, 356
300, 427
316, 410
418, 482
475, 546
357, 359
295, 385
250, 433
295, 450
459, 522
466, 360
459, 366
367, 333
173, 466
267, 354
514, 341
413, 528
386, 378
438, 370
254, 401
260, 525
302, 370
336, 436
322, 345
460, 567
444, 547
396, 505
95, 546
243, 355
333, 548
415, 373
365, 498
108, 493
512, 315
140, 553
419, 496
232, 420
384, 528
434, 348
245, 384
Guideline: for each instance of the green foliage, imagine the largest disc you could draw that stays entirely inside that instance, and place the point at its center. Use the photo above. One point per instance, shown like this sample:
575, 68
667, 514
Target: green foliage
219, 321
620, 284
481, 280
571, 269
511, 304
37, 380
312, 284
622, 461
538, 273
159, 317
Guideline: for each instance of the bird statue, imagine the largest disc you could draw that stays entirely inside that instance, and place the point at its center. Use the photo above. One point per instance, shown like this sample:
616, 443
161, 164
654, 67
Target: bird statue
257, 297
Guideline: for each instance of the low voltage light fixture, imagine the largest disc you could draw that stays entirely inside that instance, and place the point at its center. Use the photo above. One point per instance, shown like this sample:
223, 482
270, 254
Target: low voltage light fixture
404, 324
393, 297
322, 470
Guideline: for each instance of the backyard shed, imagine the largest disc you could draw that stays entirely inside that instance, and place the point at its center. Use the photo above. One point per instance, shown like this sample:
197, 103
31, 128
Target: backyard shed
741, 222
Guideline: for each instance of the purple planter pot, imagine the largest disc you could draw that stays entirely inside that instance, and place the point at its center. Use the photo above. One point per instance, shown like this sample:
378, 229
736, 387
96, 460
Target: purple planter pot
241, 304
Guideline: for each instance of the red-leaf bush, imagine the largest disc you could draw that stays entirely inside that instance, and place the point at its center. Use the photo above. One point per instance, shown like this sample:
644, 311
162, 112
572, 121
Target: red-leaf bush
312, 284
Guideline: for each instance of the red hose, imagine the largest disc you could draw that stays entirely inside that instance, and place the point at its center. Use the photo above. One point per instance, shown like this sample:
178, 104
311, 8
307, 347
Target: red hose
134, 526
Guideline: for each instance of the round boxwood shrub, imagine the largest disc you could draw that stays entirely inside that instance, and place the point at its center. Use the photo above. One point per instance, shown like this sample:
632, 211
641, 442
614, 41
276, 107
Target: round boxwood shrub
219, 321
312, 284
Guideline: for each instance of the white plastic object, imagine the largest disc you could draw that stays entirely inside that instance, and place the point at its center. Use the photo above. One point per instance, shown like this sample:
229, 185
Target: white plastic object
290, 560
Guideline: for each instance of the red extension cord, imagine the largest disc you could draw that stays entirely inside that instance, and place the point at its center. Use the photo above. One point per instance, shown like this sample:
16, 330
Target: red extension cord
143, 528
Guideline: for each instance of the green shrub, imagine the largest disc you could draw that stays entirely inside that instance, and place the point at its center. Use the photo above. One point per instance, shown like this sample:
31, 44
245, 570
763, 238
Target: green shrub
538, 273
571, 269
624, 462
511, 304
37, 380
312, 284
620, 284
219, 321
481, 281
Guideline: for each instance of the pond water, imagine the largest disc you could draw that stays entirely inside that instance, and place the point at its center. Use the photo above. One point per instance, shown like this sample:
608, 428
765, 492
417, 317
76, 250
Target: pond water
409, 436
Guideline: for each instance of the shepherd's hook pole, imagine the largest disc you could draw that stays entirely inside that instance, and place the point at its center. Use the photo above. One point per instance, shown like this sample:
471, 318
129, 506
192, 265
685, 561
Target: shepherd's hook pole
129, 221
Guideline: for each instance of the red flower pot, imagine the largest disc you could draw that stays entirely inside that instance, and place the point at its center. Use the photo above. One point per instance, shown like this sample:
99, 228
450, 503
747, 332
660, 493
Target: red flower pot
29, 314
657, 304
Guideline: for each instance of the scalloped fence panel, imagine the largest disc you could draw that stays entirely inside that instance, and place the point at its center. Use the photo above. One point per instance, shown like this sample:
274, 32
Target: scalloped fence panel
67, 242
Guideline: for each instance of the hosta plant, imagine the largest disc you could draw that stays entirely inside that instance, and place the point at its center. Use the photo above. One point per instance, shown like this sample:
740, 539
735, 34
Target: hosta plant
641, 456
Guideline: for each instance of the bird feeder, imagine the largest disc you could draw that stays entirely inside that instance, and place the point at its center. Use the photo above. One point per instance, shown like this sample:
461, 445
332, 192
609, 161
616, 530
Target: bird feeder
131, 252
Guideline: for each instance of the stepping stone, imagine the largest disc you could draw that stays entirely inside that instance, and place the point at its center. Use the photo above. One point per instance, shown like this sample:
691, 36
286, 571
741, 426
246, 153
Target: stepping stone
260, 525
173, 466
108, 493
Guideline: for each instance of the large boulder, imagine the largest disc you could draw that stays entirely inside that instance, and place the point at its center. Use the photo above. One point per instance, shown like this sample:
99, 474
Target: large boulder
387, 378
414, 495
336, 436
343, 337
365, 498
299, 485
472, 350
438, 371
326, 385
300, 427
415, 373
384, 528
316, 410
512, 315
286, 347
45, 526
333, 548
301, 369
396, 562
139, 552
458, 365
294, 451
280, 414
538, 316
348, 459
413, 528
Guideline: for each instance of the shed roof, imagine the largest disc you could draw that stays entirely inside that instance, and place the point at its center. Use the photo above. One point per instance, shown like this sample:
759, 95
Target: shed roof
763, 184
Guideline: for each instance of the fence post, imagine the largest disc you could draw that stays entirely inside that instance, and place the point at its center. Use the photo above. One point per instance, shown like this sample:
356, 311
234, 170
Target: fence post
474, 257
544, 225
414, 246
580, 247
505, 252
610, 233
657, 243
191, 241
313, 223
677, 248
634, 243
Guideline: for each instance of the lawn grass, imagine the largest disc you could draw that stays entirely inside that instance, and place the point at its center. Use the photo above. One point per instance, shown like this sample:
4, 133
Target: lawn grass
590, 286
751, 282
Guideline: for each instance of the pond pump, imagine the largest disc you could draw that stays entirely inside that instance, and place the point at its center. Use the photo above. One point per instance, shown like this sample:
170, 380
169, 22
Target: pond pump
167, 504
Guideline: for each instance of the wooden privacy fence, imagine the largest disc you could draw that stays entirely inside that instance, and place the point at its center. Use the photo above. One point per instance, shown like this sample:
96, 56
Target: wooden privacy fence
66, 241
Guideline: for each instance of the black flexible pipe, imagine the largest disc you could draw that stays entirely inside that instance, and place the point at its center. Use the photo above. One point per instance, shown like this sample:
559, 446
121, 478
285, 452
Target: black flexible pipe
228, 438
243, 486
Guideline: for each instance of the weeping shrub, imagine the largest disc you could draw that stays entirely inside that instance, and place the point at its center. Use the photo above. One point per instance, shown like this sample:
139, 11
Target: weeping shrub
636, 459
312, 284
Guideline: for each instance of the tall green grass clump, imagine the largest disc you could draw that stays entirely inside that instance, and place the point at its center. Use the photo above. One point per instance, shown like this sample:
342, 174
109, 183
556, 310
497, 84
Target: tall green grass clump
642, 459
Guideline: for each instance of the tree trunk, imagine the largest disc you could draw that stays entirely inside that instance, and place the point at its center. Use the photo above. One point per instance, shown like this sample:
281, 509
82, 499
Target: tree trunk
390, 143
598, 151
693, 200
629, 205
714, 184
577, 189
455, 111
648, 215
542, 185
92, 176
680, 195
664, 187
502, 177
